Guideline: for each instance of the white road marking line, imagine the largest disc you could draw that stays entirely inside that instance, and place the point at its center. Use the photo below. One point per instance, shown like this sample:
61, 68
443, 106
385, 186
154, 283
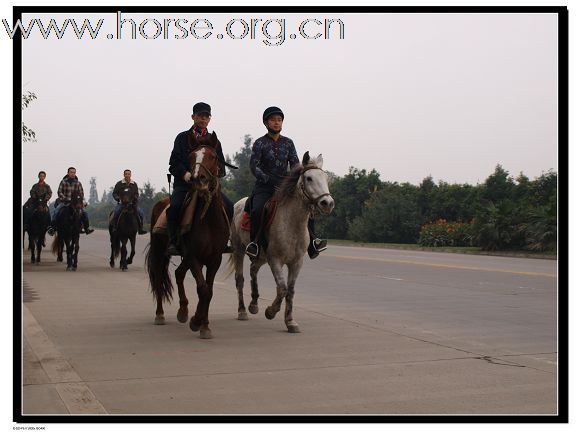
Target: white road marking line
443, 266
388, 277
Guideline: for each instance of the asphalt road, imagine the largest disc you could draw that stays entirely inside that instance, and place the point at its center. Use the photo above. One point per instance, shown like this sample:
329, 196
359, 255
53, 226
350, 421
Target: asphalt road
383, 332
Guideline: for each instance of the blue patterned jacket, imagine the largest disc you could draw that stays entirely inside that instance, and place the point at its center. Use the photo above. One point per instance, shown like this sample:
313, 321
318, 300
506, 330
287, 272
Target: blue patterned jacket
272, 158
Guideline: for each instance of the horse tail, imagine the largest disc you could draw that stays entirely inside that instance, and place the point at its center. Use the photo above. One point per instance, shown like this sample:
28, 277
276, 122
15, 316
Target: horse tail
157, 263
55, 244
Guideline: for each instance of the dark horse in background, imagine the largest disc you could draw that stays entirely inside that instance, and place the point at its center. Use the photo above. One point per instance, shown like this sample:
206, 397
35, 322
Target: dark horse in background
68, 228
125, 229
37, 217
202, 246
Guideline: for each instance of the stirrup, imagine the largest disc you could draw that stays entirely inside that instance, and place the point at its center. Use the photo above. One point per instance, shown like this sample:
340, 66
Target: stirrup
252, 250
319, 245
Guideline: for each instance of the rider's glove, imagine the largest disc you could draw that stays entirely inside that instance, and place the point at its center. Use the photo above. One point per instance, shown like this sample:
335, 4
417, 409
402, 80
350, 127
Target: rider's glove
187, 177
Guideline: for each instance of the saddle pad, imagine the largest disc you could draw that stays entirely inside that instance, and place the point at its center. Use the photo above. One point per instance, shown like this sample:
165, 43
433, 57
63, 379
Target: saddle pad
270, 210
186, 217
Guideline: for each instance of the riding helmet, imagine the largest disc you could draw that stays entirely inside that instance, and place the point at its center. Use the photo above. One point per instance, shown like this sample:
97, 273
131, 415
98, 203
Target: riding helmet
272, 111
201, 108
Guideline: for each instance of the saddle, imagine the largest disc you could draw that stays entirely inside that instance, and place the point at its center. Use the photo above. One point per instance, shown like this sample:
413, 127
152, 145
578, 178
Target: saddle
267, 214
111, 216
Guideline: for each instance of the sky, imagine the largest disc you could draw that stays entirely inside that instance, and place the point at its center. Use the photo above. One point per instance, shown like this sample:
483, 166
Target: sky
410, 95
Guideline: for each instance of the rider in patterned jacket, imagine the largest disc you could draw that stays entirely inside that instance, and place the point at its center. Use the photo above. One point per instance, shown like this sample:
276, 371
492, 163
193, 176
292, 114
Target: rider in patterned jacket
68, 186
272, 155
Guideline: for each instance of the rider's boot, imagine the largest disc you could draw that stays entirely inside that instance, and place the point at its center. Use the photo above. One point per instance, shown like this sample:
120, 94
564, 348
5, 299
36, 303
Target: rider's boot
86, 226
172, 248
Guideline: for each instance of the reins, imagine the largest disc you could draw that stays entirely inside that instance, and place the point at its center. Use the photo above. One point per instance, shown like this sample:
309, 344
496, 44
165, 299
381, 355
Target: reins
311, 201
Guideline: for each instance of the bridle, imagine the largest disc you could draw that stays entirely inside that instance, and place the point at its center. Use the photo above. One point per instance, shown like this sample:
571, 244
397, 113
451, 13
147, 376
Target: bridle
309, 199
213, 183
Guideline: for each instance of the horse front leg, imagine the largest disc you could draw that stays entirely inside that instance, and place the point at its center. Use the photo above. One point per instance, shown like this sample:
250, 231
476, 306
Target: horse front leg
69, 254
254, 268
132, 240
59, 250
293, 271
183, 312
199, 320
238, 260
113, 244
211, 270
76, 253
281, 290
31, 246
123, 262
38, 248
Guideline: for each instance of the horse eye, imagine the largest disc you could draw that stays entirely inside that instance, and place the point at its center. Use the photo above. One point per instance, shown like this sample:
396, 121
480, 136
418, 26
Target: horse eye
308, 178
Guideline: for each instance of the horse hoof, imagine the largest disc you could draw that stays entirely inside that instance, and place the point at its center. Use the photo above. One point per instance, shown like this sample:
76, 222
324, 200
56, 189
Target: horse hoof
160, 320
205, 333
32, 260
293, 327
129, 262
112, 264
242, 315
270, 314
193, 325
123, 269
68, 269
74, 269
253, 308
182, 315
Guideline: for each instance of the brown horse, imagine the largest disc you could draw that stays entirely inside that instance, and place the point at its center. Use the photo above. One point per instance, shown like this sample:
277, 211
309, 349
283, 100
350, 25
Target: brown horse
202, 246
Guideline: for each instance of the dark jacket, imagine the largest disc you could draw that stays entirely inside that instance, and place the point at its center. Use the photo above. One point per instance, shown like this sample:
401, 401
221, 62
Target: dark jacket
122, 185
68, 187
178, 162
41, 191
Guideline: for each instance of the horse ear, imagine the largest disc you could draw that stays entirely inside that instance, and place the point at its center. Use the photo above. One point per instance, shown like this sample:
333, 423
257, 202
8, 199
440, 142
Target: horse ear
306, 158
213, 139
319, 161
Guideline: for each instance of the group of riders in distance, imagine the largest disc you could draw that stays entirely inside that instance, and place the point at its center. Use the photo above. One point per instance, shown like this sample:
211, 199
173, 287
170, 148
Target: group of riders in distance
199, 222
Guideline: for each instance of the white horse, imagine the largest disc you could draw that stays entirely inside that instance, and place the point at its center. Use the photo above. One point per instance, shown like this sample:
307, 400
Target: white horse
304, 190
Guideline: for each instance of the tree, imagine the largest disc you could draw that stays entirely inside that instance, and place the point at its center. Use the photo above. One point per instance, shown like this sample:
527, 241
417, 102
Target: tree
498, 186
350, 194
391, 215
28, 135
93, 195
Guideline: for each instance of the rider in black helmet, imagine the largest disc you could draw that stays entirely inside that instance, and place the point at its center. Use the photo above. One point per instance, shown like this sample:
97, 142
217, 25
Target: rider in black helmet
272, 155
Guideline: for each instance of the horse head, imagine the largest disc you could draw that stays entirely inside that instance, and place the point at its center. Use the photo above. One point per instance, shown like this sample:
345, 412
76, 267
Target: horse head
204, 163
126, 199
76, 205
313, 184
40, 206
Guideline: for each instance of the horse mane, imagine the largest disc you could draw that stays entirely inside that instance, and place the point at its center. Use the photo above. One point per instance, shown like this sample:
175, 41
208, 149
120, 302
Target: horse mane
288, 185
